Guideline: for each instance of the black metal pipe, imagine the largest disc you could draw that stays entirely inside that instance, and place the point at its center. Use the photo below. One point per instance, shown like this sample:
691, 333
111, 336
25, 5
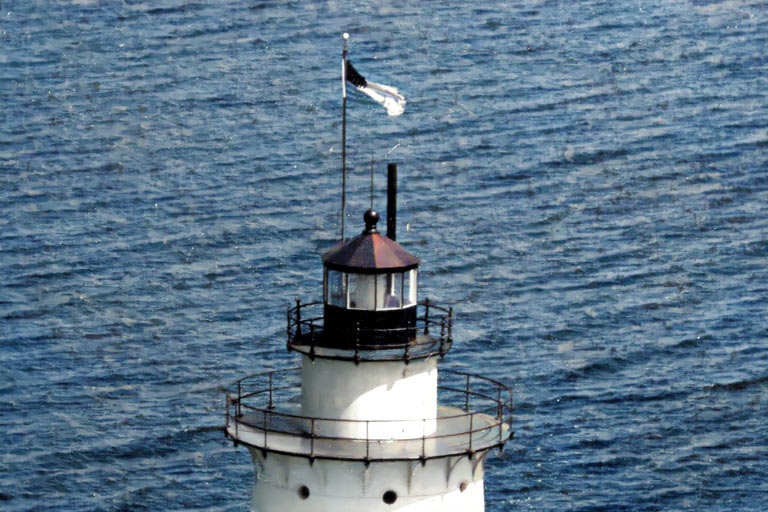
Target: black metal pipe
392, 201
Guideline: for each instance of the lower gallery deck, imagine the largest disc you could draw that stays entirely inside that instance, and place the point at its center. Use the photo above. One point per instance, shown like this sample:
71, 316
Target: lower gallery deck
457, 433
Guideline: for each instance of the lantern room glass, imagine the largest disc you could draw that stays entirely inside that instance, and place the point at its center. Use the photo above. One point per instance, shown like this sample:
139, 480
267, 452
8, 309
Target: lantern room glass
362, 291
336, 288
409, 288
370, 292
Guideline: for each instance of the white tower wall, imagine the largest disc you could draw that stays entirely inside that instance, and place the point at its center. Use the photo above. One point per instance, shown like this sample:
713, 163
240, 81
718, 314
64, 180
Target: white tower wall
382, 390
290, 484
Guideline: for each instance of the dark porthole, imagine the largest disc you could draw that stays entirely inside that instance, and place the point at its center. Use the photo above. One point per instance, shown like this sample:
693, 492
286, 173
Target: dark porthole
463, 486
303, 492
389, 497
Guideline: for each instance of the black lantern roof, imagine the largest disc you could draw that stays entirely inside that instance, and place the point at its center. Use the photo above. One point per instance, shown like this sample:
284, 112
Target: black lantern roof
369, 252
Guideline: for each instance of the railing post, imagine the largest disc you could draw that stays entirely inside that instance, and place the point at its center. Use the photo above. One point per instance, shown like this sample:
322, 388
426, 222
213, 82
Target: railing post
226, 414
442, 337
298, 318
501, 412
450, 324
426, 316
367, 443
442, 330
312, 438
471, 428
238, 411
424, 442
271, 405
288, 328
510, 404
466, 396
264, 427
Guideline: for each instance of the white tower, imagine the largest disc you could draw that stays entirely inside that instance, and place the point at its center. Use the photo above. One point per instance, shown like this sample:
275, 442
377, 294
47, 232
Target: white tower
366, 423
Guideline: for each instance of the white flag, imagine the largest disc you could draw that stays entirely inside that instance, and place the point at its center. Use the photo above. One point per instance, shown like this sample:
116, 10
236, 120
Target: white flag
385, 95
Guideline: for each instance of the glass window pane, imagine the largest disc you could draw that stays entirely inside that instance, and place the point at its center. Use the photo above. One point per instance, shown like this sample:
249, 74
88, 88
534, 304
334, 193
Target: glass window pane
337, 295
394, 289
362, 288
381, 291
409, 288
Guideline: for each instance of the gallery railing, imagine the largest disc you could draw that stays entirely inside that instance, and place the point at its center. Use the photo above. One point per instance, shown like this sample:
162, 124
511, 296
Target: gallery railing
478, 419
431, 335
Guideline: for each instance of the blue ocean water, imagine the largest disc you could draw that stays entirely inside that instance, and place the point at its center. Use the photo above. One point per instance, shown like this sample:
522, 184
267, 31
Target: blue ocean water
585, 183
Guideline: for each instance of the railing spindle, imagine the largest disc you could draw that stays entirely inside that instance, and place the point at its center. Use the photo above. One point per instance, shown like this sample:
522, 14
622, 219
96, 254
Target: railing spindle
500, 412
443, 337
312, 438
466, 396
271, 404
238, 411
264, 427
367, 442
298, 318
471, 428
288, 328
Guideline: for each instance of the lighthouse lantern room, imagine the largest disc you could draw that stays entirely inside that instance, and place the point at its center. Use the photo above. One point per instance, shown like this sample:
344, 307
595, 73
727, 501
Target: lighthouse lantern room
366, 422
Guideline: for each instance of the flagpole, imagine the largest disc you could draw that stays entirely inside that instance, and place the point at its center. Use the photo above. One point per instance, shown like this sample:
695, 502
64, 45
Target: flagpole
343, 133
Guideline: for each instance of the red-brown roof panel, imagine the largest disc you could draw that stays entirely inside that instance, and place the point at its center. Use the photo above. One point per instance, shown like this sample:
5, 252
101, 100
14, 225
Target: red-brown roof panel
369, 254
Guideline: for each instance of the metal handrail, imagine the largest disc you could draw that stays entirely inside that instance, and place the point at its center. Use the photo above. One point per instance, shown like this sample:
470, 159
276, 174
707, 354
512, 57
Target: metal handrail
267, 417
239, 386
304, 331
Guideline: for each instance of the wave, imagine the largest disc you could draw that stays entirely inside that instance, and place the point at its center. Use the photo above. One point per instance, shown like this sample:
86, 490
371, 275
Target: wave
739, 385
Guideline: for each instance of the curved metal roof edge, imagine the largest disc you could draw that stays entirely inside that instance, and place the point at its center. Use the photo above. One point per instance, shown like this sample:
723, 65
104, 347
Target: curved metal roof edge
369, 253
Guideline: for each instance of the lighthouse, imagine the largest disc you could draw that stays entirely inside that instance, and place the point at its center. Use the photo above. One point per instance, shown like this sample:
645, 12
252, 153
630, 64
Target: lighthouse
367, 421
